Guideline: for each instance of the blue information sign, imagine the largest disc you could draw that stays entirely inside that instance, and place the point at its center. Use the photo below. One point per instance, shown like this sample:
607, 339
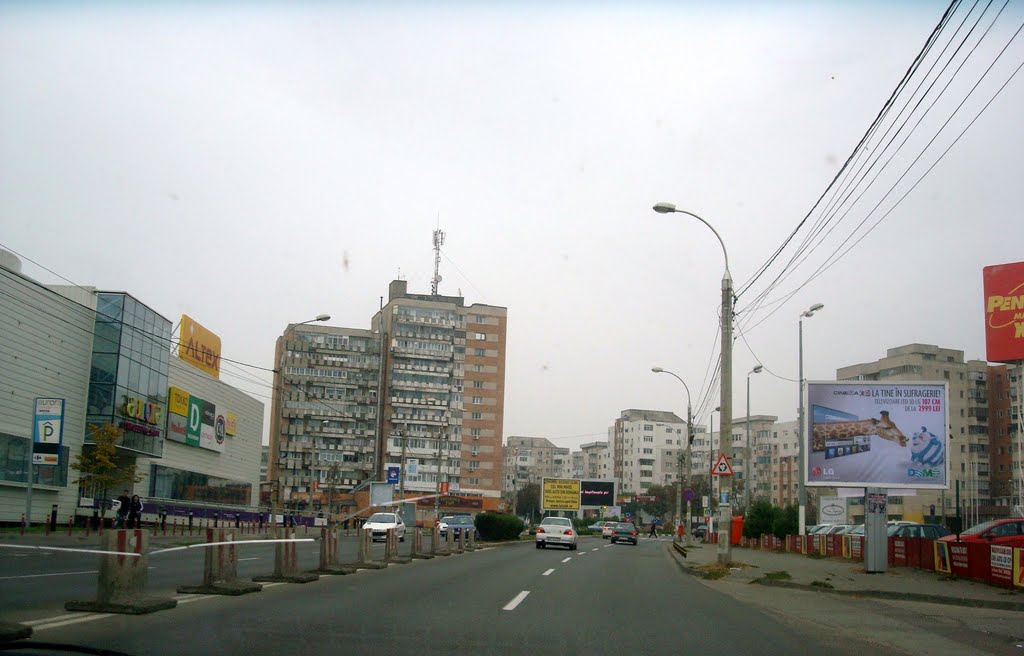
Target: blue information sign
392, 475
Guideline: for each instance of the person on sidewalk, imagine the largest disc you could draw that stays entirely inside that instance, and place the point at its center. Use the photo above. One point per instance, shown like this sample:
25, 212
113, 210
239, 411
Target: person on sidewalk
654, 529
122, 510
135, 512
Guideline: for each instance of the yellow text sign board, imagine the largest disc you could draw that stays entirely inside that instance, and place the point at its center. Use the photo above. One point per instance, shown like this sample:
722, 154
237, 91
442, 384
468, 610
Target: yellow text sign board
560, 494
199, 347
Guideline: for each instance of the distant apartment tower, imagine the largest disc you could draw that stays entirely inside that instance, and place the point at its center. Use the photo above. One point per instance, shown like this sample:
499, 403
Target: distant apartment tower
1007, 448
445, 378
645, 447
595, 460
324, 411
531, 459
970, 440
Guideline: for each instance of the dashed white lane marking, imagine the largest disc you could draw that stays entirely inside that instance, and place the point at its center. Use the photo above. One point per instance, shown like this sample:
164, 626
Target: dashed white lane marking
39, 576
595, 548
582, 553
548, 573
253, 558
565, 560
516, 600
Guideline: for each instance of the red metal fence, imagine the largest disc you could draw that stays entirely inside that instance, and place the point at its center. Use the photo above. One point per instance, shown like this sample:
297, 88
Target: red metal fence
979, 561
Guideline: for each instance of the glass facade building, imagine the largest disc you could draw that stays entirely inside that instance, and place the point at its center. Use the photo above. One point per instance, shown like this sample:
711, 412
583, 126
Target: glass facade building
128, 373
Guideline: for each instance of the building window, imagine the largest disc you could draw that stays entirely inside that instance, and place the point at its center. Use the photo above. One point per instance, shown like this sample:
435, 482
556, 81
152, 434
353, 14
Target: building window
477, 415
480, 336
480, 352
478, 384
648, 427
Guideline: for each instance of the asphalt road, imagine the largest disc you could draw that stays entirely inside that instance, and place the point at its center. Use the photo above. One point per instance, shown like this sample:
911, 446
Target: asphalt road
601, 599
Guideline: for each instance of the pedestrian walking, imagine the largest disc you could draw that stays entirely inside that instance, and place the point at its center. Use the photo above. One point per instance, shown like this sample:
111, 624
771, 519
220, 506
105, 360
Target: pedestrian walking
654, 529
134, 512
124, 502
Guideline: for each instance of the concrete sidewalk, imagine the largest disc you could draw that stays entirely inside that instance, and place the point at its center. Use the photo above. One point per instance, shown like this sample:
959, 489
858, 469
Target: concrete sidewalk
847, 577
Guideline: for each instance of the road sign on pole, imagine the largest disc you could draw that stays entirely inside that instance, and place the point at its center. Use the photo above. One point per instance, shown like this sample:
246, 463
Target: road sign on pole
722, 466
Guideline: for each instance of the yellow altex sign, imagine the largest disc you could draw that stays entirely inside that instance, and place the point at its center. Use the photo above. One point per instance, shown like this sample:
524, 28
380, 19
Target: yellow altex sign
560, 494
199, 347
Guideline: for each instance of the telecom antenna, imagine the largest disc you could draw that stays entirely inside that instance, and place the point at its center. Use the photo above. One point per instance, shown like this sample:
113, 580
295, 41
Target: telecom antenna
438, 242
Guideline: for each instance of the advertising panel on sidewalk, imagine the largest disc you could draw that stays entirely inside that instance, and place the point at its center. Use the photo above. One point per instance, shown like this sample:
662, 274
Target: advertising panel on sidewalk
942, 562
47, 431
597, 494
1018, 567
832, 510
868, 434
1004, 312
1001, 562
560, 494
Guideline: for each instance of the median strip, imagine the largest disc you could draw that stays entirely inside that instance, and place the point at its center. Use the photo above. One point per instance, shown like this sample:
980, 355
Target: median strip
516, 600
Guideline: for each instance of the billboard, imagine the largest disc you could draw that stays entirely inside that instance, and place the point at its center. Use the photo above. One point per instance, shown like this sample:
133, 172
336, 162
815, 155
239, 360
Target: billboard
47, 431
1004, 312
560, 494
199, 347
891, 435
195, 422
597, 494
832, 510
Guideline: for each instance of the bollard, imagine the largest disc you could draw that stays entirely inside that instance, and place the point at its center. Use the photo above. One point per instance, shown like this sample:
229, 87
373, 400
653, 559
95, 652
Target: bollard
417, 546
329, 554
286, 563
121, 586
391, 549
364, 554
154, 528
435, 542
472, 540
71, 523
46, 525
462, 541
23, 523
101, 526
87, 523
163, 522
220, 568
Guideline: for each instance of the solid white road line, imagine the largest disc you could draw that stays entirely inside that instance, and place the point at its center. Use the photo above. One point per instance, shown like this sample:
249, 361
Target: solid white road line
565, 560
548, 573
253, 558
516, 600
76, 620
55, 618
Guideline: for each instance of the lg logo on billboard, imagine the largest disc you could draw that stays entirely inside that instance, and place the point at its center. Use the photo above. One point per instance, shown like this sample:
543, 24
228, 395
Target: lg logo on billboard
827, 471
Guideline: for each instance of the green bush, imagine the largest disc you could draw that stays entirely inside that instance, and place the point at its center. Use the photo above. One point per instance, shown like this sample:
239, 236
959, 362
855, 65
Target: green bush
497, 526
760, 519
787, 521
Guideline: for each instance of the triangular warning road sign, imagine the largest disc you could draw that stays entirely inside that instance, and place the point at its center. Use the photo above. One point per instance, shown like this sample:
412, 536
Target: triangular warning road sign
722, 466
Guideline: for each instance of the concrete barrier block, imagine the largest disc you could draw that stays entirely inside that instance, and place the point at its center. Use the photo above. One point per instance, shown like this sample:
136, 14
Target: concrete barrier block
10, 631
121, 585
220, 568
286, 563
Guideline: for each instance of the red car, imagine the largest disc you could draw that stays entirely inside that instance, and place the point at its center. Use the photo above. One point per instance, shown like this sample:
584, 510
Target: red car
1003, 532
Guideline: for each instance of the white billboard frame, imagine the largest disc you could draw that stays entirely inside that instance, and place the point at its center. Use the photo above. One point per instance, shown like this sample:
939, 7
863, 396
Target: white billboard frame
897, 400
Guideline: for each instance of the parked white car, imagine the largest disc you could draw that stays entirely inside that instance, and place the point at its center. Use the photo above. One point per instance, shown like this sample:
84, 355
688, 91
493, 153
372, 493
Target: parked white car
556, 530
379, 523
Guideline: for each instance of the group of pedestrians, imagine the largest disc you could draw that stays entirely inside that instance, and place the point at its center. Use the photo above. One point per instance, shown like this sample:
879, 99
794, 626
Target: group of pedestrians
129, 513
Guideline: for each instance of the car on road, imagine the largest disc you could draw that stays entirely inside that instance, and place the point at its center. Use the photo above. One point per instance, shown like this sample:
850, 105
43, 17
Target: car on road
1001, 532
379, 523
457, 524
930, 531
623, 532
556, 530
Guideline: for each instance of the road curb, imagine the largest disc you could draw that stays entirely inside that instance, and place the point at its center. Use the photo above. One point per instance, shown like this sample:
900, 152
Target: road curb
10, 631
900, 596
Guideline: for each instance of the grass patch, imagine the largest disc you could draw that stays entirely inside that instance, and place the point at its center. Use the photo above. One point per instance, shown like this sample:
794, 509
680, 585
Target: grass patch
713, 571
823, 584
778, 576
816, 556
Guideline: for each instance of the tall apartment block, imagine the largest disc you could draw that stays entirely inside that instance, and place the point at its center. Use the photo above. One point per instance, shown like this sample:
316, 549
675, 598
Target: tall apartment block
445, 379
324, 411
644, 447
530, 459
426, 383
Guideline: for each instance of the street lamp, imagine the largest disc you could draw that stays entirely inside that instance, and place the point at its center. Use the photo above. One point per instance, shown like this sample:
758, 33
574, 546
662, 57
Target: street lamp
801, 451
748, 467
273, 460
689, 441
724, 546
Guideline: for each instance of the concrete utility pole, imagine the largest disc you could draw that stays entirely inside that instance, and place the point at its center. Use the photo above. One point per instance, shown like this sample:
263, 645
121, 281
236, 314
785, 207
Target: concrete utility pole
802, 447
401, 476
689, 439
724, 548
748, 466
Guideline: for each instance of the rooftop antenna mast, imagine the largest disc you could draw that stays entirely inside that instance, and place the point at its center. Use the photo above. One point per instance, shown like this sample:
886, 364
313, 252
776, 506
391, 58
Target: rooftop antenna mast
438, 242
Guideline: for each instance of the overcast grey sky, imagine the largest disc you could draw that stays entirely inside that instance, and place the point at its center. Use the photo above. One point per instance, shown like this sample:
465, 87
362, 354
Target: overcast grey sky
257, 165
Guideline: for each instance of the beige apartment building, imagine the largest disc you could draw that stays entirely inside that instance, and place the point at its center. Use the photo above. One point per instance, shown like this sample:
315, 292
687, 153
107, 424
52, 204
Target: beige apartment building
531, 459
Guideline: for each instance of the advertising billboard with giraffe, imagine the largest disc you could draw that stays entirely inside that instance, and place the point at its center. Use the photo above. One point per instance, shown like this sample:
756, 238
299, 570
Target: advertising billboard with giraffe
869, 434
